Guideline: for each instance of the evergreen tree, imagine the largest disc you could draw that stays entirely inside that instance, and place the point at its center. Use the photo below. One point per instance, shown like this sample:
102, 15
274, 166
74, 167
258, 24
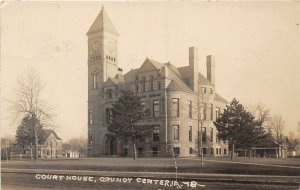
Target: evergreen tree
126, 119
239, 127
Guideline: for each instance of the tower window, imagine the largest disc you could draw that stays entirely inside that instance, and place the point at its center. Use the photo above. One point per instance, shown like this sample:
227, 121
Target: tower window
217, 113
204, 134
190, 134
156, 108
156, 133
90, 116
175, 107
176, 132
158, 85
211, 134
90, 137
190, 109
95, 81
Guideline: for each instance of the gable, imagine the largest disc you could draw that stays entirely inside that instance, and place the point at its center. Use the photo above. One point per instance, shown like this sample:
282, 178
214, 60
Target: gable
150, 65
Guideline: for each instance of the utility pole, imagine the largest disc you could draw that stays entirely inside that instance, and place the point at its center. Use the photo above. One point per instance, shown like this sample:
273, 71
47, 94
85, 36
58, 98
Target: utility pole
166, 119
200, 145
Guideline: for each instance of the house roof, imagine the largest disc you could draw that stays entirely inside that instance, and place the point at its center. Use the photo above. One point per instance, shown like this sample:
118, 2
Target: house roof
45, 133
103, 24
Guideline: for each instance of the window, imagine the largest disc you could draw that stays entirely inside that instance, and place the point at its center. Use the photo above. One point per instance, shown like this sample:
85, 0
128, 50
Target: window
90, 152
220, 151
109, 91
136, 88
143, 84
175, 107
218, 113
203, 90
204, 151
154, 151
143, 104
225, 151
211, 111
140, 151
151, 83
217, 151
155, 133
191, 150
90, 116
90, 137
176, 150
125, 151
212, 151
190, 109
176, 132
156, 108
95, 81
211, 134
204, 134
158, 85
211, 91
107, 115
190, 133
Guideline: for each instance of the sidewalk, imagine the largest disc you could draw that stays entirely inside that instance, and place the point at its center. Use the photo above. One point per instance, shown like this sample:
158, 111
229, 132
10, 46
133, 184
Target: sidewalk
200, 177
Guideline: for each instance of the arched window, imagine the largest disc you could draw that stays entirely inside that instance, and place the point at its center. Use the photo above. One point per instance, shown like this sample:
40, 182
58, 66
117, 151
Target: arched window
151, 83
107, 115
158, 85
95, 81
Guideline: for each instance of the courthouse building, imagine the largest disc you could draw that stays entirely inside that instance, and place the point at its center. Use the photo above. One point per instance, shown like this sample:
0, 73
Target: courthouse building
176, 97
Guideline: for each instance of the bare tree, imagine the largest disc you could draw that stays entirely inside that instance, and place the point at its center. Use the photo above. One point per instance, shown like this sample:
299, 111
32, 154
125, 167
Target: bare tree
293, 140
28, 102
277, 128
261, 113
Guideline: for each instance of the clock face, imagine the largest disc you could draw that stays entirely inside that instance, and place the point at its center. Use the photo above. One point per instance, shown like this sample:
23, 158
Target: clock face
95, 46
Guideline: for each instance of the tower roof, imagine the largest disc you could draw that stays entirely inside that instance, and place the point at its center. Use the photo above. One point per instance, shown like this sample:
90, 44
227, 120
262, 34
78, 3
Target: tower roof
103, 24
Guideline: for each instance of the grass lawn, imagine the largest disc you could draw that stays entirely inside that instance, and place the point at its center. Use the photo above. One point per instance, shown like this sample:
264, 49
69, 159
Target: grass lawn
284, 167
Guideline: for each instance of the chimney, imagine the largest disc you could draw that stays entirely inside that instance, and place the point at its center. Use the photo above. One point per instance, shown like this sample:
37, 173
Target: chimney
210, 67
193, 64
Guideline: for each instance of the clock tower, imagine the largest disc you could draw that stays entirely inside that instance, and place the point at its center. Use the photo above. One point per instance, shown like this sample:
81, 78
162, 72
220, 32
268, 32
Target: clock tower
102, 64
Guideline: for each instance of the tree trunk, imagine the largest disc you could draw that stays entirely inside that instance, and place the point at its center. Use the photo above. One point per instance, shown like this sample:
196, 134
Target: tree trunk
36, 143
232, 151
134, 150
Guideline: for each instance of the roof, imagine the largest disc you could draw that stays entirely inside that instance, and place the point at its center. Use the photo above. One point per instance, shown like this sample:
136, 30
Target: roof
103, 24
45, 133
177, 83
220, 99
203, 80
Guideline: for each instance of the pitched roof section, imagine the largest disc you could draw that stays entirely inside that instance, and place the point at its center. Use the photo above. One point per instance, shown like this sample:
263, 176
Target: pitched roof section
103, 24
220, 99
45, 133
149, 65
203, 80
177, 83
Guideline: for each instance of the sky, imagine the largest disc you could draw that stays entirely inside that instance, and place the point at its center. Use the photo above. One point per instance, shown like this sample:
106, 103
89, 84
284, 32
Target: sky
256, 47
